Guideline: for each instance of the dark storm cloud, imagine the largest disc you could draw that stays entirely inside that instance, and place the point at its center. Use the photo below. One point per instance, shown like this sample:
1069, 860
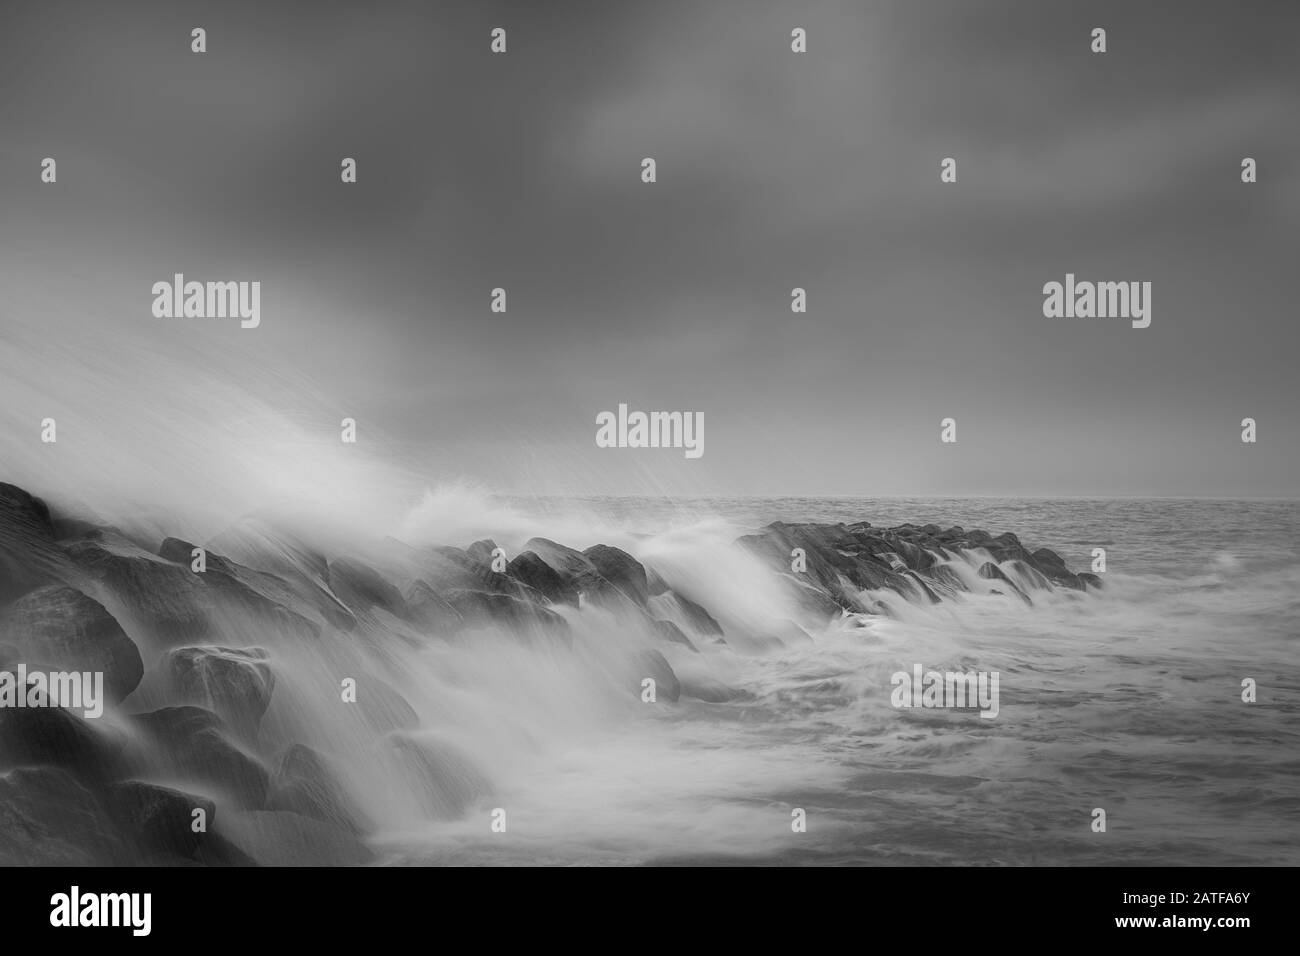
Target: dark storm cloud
775, 170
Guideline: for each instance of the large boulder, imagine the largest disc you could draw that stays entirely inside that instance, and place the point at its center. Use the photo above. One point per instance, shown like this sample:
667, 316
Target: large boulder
531, 570
159, 820
670, 632
58, 625
573, 566
306, 784
160, 600
234, 682
654, 665
29, 557
48, 818
444, 779
196, 746
282, 567
621, 570
525, 620
261, 596
53, 736
362, 588
431, 610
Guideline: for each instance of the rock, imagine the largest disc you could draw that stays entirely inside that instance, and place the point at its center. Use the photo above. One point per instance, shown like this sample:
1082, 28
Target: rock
685, 613
621, 570
165, 602
442, 777
159, 820
709, 690
482, 551
655, 665
236, 683
656, 584
451, 569
216, 850
946, 577
195, 744
382, 707
573, 566
260, 596
1053, 567
180, 551
169, 604
785, 633
531, 570
306, 785
280, 838
29, 557
35, 736
991, 572
47, 818
362, 588
1047, 558
59, 625
429, 609
1031, 574
283, 568
670, 632
1089, 580
479, 608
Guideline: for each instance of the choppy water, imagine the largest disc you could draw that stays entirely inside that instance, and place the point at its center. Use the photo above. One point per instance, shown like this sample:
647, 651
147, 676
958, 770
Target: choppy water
1129, 700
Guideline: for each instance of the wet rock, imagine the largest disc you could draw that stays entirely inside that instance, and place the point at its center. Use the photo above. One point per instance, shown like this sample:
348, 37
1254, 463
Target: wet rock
654, 665
431, 610
442, 777
670, 632
29, 557
159, 820
195, 744
59, 625
48, 818
480, 608
362, 588
236, 683
621, 570
381, 707
281, 838
1090, 580
305, 784
53, 736
531, 570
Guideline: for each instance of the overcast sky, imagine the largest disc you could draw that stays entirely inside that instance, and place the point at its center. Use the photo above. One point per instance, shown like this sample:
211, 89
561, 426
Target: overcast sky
775, 170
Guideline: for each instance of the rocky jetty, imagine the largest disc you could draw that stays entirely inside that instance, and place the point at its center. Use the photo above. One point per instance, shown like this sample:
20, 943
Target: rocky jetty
192, 762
